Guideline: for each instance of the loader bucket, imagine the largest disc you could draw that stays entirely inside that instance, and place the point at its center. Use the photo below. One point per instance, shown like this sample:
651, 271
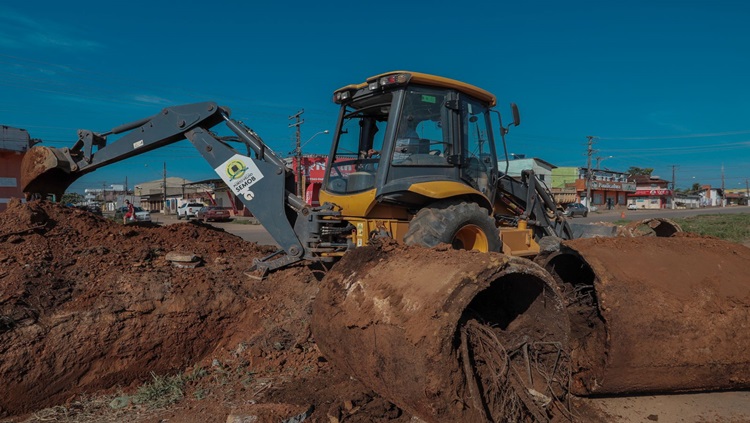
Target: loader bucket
46, 171
447, 335
655, 314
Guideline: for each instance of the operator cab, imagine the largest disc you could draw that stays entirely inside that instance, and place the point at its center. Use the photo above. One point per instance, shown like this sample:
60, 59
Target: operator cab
401, 129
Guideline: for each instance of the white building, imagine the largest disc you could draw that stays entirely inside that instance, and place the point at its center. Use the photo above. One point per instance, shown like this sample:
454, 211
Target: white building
711, 197
541, 168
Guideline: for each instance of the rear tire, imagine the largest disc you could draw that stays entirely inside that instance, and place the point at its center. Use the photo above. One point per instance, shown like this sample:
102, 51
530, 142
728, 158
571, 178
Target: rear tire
465, 226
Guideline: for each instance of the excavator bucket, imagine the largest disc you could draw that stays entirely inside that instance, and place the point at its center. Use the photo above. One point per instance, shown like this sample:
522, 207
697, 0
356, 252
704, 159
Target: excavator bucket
466, 336
46, 171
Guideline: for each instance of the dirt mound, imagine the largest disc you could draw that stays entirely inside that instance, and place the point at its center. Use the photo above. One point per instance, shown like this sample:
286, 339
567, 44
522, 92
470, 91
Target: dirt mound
88, 305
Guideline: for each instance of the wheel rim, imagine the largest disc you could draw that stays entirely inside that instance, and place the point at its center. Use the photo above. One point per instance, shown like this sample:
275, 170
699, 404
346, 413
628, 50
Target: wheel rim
471, 237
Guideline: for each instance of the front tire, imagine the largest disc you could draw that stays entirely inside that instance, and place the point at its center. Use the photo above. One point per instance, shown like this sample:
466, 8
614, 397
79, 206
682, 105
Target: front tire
465, 226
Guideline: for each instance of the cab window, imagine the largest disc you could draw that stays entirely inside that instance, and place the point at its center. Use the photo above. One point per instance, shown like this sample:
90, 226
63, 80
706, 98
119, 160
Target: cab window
422, 137
357, 153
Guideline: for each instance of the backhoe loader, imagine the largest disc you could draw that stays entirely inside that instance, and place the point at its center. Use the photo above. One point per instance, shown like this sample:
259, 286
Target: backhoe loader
549, 316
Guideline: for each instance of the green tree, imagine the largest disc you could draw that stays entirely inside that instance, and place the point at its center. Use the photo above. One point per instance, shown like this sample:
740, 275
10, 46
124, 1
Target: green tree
696, 187
633, 170
72, 198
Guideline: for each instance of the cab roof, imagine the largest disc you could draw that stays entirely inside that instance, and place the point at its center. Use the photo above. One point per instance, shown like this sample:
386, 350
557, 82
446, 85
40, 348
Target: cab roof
430, 80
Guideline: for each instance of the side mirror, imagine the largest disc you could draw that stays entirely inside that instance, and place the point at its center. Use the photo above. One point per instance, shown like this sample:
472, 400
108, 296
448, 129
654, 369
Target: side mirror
516, 114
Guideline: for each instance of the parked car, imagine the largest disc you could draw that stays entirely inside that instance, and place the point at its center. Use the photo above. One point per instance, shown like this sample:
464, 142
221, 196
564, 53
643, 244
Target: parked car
214, 213
91, 208
140, 214
632, 206
576, 209
189, 210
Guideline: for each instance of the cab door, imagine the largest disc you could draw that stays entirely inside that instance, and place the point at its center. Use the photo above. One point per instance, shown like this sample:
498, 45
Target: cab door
479, 164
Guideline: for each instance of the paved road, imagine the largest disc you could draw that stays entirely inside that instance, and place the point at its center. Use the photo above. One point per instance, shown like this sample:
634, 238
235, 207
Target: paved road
256, 233
248, 232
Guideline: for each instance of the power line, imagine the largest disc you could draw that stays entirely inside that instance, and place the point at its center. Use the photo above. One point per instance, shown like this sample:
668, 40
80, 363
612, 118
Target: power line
672, 137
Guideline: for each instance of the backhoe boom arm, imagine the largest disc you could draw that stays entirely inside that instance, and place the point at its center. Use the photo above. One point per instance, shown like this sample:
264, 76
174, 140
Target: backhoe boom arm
264, 184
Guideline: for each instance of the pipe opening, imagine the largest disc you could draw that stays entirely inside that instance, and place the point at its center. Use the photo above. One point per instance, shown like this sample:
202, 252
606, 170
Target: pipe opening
513, 341
507, 299
570, 269
658, 227
588, 336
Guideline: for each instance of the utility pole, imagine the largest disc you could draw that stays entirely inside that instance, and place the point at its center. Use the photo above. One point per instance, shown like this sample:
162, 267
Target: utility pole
298, 150
590, 152
673, 185
723, 193
747, 192
164, 182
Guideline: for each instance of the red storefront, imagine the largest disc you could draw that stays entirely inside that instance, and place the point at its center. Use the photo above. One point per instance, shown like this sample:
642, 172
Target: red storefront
650, 193
650, 198
313, 171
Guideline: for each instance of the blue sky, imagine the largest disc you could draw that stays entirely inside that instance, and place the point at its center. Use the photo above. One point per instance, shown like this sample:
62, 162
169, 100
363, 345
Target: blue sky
660, 83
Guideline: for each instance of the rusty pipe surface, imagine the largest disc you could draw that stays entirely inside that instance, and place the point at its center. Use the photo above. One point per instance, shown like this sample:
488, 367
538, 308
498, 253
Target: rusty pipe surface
391, 316
656, 315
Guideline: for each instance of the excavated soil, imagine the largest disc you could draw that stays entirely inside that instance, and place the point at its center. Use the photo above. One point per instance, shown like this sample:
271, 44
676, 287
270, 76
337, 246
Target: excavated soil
90, 307
91, 312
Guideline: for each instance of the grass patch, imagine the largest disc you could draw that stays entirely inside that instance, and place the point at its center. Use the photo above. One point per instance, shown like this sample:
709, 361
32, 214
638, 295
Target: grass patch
730, 227
161, 391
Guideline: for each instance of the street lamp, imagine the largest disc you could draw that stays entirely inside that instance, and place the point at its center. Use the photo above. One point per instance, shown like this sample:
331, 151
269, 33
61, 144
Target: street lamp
599, 160
298, 154
311, 138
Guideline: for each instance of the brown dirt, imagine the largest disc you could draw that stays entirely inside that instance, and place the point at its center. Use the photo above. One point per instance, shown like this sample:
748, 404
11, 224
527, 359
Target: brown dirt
90, 310
89, 307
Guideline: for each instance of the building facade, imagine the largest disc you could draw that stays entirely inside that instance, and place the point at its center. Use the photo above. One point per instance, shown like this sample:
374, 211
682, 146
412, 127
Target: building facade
14, 143
609, 189
711, 197
651, 192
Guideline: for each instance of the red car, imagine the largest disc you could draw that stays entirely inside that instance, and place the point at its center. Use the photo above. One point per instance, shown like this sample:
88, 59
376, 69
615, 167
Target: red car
214, 213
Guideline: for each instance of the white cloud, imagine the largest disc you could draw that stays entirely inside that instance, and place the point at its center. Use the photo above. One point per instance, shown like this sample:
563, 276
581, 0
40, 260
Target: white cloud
18, 31
151, 99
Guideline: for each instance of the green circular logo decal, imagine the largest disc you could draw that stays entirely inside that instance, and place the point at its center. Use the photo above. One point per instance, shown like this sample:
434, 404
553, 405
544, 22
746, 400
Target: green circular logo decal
235, 169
